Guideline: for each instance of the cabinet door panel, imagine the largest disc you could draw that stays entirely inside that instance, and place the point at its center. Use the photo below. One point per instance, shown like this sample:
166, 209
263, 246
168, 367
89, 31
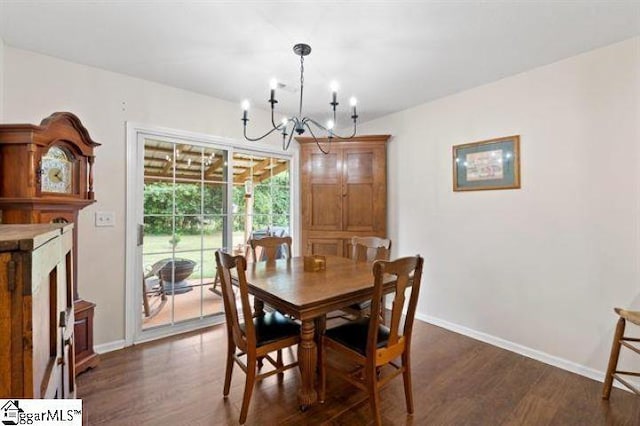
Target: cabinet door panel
358, 166
322, 191
363, 170
325, 246
325, 203
359, 209
324, 167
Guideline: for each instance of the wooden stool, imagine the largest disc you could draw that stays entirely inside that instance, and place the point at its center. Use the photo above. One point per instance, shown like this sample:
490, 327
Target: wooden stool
619, 339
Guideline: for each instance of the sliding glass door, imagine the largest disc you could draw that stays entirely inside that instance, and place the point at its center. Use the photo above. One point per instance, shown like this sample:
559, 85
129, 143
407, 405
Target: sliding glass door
194, 198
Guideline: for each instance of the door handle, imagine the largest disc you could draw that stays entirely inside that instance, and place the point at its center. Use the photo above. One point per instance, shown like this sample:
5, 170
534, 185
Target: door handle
140, 234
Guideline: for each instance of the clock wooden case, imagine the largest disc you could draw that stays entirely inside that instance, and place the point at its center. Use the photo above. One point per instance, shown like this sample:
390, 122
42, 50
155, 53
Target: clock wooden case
46, 176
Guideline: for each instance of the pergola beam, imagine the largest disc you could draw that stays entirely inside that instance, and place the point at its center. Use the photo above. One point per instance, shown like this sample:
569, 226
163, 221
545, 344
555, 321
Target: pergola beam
214, 166
274, 171
249, 172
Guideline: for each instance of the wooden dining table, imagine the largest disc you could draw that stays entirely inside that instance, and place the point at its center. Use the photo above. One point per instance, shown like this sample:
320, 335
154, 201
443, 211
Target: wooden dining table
309, 296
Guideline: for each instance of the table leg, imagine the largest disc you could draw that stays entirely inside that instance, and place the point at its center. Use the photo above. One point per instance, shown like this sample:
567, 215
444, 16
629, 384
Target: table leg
307, 360
258, 307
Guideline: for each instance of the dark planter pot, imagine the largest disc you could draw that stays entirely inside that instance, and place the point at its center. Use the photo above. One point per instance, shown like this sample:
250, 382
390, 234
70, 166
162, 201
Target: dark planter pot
174, 281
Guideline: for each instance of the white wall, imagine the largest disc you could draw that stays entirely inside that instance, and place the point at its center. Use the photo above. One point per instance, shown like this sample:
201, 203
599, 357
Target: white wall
38, 85
544, 265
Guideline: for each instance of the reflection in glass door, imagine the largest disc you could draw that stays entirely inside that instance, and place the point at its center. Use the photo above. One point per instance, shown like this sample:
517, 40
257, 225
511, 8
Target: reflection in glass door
198, 198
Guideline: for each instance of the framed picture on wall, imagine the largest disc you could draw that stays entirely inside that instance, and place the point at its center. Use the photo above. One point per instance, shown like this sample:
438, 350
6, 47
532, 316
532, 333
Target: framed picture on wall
490, 164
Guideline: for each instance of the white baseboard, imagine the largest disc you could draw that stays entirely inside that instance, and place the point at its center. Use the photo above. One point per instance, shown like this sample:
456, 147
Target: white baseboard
109, 346
519, 349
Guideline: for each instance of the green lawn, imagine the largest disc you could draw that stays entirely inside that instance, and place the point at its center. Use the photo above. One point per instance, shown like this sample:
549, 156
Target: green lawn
194, 247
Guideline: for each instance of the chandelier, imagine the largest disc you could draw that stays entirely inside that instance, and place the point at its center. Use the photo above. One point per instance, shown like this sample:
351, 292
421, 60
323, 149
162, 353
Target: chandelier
298, 123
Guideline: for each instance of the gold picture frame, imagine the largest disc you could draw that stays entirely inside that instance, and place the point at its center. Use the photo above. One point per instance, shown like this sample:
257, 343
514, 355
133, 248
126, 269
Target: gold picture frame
488, 164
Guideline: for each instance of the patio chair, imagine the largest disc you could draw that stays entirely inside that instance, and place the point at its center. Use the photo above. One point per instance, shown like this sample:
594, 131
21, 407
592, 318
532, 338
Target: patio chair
152, 288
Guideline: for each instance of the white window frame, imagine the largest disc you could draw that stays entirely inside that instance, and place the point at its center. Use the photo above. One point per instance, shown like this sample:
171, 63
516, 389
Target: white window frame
133, 269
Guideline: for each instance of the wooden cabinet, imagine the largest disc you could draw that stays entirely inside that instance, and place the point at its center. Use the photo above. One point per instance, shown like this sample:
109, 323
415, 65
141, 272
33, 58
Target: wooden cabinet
343, 193
36, 311
46, 176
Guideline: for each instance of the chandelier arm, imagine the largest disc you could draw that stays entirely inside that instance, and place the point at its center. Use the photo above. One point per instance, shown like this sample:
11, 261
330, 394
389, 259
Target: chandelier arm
352, 134
316, 139
286, 147
273, 122
258, 138
311, 120
334, 134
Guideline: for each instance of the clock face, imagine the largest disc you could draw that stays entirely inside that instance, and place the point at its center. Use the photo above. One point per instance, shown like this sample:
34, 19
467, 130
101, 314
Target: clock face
56, 171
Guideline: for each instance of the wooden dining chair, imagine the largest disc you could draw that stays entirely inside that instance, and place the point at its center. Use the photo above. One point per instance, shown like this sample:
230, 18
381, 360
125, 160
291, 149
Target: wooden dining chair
367, 249
255, 337
271, 247
372, 345
619, 340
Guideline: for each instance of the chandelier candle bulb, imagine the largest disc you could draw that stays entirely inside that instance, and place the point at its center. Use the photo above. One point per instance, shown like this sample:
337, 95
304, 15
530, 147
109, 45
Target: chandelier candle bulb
272, 97
334, 94
245, 110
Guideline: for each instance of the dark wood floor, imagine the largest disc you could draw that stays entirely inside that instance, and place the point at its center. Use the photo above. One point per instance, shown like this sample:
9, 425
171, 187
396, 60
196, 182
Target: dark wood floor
456, 381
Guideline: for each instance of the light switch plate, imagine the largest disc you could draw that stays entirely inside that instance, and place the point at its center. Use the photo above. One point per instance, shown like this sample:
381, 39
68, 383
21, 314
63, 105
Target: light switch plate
105, 219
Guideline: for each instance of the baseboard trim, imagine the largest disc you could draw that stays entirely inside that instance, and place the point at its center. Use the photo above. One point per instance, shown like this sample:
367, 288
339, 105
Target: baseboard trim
109, 346
519, 349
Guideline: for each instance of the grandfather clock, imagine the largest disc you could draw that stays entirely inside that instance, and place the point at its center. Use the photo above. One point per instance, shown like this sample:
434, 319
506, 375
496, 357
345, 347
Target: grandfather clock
46, 176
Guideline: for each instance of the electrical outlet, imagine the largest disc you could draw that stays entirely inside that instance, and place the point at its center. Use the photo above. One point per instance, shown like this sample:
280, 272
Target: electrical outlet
105, 219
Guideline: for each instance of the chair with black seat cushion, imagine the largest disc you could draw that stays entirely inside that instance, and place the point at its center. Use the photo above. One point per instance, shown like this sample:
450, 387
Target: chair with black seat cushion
367, 249
255, 337
619, 340
372, 345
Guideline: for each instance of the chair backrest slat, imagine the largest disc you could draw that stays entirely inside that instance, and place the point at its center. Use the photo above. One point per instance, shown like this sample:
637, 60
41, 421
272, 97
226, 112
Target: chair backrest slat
368, 249
246, 339
270, 247
407, 272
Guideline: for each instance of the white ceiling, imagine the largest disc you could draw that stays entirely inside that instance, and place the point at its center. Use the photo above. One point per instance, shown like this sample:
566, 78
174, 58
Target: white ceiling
390, 54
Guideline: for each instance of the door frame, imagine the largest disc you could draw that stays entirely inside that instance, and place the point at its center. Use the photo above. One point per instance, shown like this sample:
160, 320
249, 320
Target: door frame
134, 175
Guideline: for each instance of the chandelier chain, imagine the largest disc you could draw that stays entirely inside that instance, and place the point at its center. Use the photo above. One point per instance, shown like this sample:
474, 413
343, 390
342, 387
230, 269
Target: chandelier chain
301, 83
